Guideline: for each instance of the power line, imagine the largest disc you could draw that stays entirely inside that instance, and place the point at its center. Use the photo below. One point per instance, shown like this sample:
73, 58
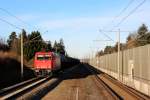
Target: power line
130, 13
34, 38
106, 35
127, 6
19, 19
10, 24
21, 43
100, 40
122, 11
13, 25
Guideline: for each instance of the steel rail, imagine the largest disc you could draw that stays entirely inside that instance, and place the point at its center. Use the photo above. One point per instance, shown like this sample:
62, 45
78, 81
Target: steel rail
131, 91
123, 91
20, 90
11, 88
106, 87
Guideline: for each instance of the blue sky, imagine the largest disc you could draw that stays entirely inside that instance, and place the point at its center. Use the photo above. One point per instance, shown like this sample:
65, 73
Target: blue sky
76, 21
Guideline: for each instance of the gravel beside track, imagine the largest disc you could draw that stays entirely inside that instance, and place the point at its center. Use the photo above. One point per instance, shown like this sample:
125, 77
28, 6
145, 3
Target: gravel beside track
78, 84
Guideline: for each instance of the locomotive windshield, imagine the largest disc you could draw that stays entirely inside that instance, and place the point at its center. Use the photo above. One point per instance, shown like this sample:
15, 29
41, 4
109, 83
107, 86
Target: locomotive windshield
48, 57
43, 57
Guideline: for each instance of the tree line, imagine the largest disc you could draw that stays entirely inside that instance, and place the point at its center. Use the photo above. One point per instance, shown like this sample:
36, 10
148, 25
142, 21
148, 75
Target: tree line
3, 45
32, 42
139, 38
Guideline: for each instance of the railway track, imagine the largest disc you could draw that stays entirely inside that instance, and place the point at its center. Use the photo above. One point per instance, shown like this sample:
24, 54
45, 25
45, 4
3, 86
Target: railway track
111, 93
99, 82
21, 88
116, 88
128, 93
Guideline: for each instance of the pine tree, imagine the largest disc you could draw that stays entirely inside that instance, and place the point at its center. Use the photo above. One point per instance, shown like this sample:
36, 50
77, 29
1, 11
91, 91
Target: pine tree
12, 37
34, 44
48, 46
142, 32
55, 46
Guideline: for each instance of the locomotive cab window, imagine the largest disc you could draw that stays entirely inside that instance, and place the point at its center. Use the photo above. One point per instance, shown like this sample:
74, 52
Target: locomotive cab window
40, 57
48, 57
44, 57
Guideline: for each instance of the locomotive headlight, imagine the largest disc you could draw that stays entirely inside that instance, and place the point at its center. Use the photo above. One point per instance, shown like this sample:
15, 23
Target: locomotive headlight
36, 70
48, 70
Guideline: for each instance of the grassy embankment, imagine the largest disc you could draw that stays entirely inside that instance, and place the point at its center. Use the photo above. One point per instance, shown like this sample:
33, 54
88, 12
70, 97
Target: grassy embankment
10, 69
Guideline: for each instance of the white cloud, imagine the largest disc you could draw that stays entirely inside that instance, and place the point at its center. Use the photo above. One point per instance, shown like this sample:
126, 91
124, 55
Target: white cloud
75, 23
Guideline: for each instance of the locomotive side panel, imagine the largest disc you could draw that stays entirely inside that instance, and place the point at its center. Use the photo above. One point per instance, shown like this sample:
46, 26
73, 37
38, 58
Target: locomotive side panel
57, 62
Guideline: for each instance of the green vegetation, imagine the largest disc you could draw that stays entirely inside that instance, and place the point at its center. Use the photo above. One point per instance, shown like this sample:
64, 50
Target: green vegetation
139, 38
32, 42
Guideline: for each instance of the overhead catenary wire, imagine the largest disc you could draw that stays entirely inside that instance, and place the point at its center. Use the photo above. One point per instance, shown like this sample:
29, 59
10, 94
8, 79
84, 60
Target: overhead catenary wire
15, 26
19, 19
106, 35
124, 18
5, 21
129, 14
33, 39
122, 11
19, 28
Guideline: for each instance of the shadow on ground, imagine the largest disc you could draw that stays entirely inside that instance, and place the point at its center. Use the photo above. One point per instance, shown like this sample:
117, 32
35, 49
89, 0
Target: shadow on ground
75, 72
10, 72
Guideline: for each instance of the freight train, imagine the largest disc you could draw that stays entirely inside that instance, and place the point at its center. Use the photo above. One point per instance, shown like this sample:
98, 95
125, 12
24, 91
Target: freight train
47, 63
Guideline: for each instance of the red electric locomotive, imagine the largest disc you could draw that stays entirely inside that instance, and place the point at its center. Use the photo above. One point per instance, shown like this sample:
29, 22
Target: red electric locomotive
45, 63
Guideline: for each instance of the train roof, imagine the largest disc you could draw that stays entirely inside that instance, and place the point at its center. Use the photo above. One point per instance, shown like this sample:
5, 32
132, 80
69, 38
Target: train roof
44, 52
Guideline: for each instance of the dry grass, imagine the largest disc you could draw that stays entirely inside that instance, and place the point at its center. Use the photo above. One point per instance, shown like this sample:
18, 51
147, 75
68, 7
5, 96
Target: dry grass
10, 69
15, 56
8, 54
